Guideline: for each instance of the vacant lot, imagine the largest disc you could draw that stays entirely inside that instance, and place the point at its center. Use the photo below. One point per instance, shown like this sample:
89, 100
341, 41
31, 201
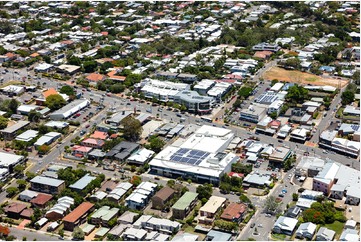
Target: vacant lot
301, 77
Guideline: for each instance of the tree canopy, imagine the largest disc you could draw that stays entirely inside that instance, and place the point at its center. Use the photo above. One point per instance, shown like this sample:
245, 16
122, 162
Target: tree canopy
68, 90
205, 191
3, 122
347, 97
132, 128
155, 143
55, 101
297, 94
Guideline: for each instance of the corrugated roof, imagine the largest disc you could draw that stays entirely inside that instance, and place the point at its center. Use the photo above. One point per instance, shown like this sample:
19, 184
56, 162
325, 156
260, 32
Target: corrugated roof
185, 200
78, 212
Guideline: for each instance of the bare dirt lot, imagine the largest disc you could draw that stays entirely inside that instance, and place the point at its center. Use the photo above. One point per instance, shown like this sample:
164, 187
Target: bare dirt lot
302, 77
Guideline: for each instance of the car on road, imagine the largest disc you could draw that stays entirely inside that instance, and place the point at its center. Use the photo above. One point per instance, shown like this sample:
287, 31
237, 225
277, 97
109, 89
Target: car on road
179, 115
281, 141
252, 225
268, 215
281, 195
87, 126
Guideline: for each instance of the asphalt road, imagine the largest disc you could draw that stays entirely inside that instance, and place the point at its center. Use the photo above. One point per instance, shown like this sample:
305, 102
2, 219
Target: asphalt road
31, 235
263, 223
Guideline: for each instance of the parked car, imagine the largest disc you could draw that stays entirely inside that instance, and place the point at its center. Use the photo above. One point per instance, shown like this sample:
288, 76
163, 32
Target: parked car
252, 225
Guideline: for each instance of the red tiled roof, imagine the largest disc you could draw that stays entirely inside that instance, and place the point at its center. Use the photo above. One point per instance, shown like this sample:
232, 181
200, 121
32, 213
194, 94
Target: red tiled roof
41, 199
99, 135
234, 210
27, 213
15, 207
78, 212
95, 77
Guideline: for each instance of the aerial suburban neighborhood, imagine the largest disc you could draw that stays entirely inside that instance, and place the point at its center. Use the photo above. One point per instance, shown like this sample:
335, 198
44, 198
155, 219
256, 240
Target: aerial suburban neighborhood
180, 121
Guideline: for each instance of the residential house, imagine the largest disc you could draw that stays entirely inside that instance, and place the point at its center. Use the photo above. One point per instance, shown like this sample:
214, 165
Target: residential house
160, 199
59, 210
81, 151
77, 216
157, 224
306, 230
103, 215
214, 235
133, 234
325, 234
11, 132
183, 236
13, 210
292, 212
41, 200
122, 151
350, 224
127, 218
141, 195
285, 225
99, 135
350, 235
209, 210
184, 205
140, 157
119, 191
94, 143
47, 185
47, 139
82, 183
27, 195
234, 212
94, 78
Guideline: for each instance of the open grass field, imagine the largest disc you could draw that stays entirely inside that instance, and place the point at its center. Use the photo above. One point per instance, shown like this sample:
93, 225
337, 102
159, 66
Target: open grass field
301, 77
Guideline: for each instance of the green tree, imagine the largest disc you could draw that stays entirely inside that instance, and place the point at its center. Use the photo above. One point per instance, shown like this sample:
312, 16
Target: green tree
205, 191
108, 22
3, 122
21, 184
132, 128
297, 94
294, 196
29, 175
55, 101
78, 233
116, 88
13, 105
34, 116
61, 233
12, 191
155, 143
271, 206
273, 115
68, 90
245, 92
347, 97
90, 66
19, 169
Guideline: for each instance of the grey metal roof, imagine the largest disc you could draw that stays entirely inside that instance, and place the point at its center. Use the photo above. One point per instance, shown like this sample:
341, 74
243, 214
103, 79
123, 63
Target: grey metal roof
47, 181
15, 127
82, 182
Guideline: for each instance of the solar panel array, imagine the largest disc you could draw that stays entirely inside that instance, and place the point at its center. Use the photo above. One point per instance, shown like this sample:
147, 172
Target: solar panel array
192, 157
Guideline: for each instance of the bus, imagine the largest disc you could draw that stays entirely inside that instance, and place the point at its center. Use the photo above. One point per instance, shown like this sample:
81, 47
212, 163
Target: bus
209, 120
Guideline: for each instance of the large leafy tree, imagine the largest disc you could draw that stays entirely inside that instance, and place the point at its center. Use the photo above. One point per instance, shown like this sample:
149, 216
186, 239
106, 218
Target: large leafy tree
55, 101
271, 205
347, 97
132, 128
205, 191
78, 233
3, 122
156, 144
68, 90
297, 94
